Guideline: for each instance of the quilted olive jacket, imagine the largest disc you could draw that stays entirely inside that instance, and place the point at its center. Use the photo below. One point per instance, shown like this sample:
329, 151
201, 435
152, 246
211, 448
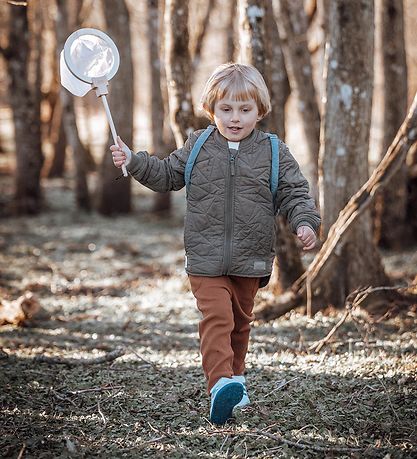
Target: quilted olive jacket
230, 216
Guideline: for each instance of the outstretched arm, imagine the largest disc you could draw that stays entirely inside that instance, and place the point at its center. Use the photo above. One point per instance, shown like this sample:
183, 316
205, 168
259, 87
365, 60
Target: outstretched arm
157, 174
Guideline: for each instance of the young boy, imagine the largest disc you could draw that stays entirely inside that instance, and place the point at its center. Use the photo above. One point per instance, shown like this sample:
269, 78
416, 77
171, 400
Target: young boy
230, 219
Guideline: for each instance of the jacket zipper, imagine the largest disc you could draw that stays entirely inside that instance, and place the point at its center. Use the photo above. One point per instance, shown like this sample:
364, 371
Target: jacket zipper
229, 214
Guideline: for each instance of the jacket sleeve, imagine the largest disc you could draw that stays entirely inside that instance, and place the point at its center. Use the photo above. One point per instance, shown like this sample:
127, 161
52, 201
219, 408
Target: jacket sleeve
293, 199
161, 174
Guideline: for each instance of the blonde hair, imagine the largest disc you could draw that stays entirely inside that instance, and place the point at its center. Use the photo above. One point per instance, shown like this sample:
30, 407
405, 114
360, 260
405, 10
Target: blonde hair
239, 82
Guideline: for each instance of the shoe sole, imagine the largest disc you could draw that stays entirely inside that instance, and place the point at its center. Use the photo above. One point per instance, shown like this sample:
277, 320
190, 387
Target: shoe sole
226, 399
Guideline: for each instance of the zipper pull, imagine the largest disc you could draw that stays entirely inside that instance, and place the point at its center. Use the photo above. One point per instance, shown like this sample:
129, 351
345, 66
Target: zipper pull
232, 165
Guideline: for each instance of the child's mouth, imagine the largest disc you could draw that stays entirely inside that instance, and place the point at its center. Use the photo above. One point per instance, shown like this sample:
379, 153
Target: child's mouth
235, 128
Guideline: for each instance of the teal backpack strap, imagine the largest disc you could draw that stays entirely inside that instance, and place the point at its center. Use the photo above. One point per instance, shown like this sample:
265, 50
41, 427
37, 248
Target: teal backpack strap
275, 163
194, 153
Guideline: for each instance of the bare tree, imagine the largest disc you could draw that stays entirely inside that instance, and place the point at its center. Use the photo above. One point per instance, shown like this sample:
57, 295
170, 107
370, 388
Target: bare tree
292, 26
231, 30
345, 141
64, 24
162, 202
25, 103
115, 196
201, 32
178, 69
391, 206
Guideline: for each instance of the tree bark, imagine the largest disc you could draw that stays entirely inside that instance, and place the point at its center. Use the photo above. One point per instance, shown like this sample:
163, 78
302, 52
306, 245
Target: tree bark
198, 41
115, 196
26, 115
345, 141
292, 27
324, 265
231, 31
59, 143
63, 25
392, 230
178, 69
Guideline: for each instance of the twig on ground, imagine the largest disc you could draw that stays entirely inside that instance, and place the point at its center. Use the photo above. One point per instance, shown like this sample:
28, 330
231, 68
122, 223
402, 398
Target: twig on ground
64, 399
109, 357
353, 300
316, 347
279, 438
389, 398
155, 367
279, 387
101, 413
22, 450
94, 389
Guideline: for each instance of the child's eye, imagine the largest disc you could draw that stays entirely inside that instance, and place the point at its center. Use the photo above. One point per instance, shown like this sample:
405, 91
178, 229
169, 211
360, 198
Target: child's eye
225, 109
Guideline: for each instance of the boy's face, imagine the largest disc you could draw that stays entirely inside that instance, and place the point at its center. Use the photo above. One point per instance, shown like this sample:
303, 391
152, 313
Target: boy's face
235, 119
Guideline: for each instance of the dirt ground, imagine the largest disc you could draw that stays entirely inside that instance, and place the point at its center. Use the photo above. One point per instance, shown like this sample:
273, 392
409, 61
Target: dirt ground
109, 284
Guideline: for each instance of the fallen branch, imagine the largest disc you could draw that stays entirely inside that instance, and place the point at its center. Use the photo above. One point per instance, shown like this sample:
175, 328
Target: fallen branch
354, 299
94, 389
314, 276
109, 357
280, 439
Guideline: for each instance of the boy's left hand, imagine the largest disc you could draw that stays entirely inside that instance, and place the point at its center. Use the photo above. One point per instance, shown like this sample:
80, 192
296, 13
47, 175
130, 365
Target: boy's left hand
307, 236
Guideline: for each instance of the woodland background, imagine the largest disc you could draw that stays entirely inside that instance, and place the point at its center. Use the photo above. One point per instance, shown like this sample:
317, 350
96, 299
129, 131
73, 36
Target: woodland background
98, 343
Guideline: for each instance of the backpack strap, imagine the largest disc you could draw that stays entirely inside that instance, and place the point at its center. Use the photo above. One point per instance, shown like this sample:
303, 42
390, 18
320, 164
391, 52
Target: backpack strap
194, 153
274, 163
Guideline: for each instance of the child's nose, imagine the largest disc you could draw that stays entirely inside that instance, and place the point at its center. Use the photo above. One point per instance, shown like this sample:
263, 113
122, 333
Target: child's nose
235, 116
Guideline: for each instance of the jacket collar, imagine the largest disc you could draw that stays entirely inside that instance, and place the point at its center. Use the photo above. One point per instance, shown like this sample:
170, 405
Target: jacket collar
245, 144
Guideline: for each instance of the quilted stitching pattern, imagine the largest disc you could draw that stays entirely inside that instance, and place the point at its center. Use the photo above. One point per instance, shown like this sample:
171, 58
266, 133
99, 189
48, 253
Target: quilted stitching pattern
253, 234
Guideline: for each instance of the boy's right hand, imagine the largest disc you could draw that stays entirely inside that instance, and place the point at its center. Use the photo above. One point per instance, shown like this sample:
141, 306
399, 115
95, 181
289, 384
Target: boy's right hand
121, 153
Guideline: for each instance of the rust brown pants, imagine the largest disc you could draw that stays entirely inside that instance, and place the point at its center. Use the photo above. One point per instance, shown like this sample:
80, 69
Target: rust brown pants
226, 303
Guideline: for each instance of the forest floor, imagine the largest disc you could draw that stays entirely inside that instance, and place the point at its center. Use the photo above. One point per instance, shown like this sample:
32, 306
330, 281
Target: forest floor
109, 284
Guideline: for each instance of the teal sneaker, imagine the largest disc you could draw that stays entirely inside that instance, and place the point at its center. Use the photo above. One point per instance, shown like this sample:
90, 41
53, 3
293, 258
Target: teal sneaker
225, 395
245, 399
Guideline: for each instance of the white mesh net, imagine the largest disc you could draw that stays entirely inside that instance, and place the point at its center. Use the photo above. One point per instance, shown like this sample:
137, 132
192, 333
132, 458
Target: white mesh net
91, 56
70, 82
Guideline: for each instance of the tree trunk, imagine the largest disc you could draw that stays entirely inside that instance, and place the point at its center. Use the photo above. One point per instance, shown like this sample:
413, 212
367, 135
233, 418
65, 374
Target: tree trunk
258, 31
392, 230
162, 201
82, 196
345, 142
59, 143
26, 114
115, 196
253, 41
231, 31
292, 26
178, 69
197, 44
324, 265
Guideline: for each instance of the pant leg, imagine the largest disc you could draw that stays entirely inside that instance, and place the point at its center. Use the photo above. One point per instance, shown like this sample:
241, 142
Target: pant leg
243, 293
214, 300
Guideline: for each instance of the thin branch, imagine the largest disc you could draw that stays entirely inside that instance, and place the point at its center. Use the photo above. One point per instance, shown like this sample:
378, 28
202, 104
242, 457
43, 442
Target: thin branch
280, 439
94, 389
354, 299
